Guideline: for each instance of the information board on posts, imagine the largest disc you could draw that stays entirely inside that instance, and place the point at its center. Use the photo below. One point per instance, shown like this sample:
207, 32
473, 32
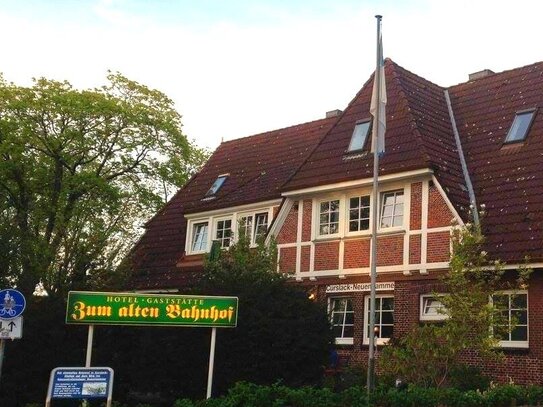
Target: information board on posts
80, 383
104, 308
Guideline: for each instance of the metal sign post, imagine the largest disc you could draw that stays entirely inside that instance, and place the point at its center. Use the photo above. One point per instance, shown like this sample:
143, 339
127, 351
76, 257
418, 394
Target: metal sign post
211, 362
12, 305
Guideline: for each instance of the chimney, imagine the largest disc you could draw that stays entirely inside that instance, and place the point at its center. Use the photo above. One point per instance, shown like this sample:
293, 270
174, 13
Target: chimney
333, 113
481, 74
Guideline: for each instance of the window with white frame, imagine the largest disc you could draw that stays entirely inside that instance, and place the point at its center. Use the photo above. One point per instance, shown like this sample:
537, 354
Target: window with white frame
391, 209
246, 226
199, 237
261, 226
431, 308
512, 321
223, 232
329, 217
254, 226
342, 318
359, 213
384, 318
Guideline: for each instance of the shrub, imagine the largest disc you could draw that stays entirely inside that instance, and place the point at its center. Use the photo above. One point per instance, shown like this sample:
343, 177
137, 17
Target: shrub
464, 378
505, 396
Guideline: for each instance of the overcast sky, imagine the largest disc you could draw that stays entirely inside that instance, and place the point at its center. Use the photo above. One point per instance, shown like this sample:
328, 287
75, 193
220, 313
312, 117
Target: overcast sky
239, 67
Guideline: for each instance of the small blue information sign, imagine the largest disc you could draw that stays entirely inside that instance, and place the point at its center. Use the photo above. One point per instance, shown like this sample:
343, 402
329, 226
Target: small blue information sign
12, 303
81, 382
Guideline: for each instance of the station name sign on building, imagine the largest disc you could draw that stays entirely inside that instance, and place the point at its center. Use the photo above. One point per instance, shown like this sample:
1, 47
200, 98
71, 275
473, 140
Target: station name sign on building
102, 308
358, 287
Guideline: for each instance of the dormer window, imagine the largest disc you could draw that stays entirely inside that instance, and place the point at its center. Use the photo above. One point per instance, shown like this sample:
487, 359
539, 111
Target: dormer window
216, 185
521, 125
360, 135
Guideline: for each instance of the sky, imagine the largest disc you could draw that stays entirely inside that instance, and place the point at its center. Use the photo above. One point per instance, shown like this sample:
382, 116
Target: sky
237, 67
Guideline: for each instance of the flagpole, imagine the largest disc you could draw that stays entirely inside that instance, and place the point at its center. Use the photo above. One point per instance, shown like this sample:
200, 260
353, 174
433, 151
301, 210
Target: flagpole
375, 213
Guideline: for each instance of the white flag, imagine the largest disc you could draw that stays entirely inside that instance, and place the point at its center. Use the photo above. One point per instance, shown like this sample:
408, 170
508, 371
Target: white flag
378, 103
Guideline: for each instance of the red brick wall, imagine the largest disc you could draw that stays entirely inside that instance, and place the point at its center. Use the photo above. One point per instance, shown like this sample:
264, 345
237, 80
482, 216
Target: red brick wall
438, 247
356, 253
306, 220
306, 253
438, 211
327, 256
289, 230
414, 249
416, 206
390, 250
287, 259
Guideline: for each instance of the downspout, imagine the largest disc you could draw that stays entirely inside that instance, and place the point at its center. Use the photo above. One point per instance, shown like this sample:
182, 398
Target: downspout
467, 179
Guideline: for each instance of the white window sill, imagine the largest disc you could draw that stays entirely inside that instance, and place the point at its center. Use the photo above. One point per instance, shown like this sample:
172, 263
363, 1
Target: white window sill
378, 341
514, 344
344, 341
390, 231
325, 238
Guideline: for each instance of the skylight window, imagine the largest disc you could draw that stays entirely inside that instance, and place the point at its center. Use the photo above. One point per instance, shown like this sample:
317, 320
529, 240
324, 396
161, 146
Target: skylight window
216, 185
360, 135
521, 125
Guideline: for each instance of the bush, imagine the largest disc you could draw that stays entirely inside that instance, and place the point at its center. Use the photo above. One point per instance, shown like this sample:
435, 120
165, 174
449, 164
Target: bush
464, 378
505, 396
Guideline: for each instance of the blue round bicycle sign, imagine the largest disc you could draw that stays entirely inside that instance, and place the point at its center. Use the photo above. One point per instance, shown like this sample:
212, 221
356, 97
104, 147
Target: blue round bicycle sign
12, 303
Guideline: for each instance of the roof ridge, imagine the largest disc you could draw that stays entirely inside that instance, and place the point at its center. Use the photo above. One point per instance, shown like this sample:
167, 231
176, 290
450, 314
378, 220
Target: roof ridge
311, 122
338, 119
404, 101
494, 74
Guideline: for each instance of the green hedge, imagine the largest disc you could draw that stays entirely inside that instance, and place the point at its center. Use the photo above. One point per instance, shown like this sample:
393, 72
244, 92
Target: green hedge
252, 395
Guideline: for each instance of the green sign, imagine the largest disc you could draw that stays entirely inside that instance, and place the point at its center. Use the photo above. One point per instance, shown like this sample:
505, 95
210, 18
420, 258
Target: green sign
151, 309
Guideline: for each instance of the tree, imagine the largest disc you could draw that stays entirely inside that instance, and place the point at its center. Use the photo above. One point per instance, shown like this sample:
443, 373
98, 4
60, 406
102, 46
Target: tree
79, 171
428, 354
281, 333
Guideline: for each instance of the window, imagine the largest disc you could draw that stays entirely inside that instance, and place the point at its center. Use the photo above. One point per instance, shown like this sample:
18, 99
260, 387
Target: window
384, 318
342, 317
512, 324
261, 226
254, 226
521, 125
360, 135
246, 227
216, 185
199, 237
430, 306
224, 232
392, 209
329, 217
359, 213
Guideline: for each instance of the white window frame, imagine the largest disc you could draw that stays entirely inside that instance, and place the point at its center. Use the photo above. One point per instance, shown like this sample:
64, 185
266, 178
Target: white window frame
344, 340
378, 341
192, 236
253, 215
510, 343
381, 210
431, 317
341, 219
216, 229
347, 220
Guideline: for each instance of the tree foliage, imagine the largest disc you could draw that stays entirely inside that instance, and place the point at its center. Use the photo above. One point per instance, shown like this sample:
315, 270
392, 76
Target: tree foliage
428, 354
79, 171
281, 334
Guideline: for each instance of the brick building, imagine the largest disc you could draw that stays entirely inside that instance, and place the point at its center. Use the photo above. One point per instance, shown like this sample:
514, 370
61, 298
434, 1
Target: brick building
309, 186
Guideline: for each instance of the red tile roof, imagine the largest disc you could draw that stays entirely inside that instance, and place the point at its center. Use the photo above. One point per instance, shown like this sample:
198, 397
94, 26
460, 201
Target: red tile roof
258, 166
419, 135
508, 179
